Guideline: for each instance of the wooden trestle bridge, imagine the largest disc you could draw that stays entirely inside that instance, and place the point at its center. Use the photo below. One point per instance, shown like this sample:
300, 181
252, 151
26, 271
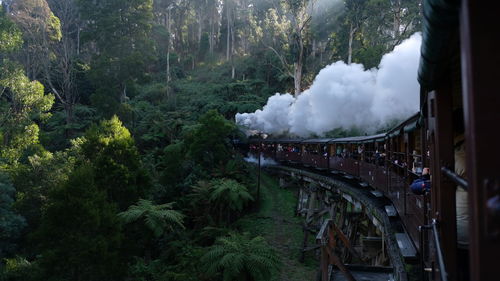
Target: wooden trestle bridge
354, 230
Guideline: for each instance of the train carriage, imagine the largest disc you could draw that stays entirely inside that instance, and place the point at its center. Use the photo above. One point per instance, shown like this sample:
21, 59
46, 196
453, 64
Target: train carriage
372, 166
289, 150
459, 98
268, 148
315, 153
404, 165
344, 155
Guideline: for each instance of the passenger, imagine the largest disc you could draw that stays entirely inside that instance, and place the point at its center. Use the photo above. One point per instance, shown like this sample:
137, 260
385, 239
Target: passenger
381, 160
360, 153
344, 153
377, 157
339, 150
422, 185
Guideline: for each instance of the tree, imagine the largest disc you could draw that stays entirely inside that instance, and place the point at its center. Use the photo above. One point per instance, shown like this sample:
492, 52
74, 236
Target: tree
41, 28
11, 223
10, 35
22, 102
355, 16
294, 16
370, 28
37, 178
80, 234
119, 30
60, 71
118, 171
171, 170
157, 218
209, 144
228, 197
238, 257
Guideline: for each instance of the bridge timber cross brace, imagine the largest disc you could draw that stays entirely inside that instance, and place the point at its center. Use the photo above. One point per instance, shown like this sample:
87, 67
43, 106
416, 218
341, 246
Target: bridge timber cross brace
341, 228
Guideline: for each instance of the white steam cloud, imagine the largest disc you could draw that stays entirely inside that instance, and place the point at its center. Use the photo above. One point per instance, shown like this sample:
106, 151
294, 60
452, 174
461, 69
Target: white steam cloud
263, 161
346, 96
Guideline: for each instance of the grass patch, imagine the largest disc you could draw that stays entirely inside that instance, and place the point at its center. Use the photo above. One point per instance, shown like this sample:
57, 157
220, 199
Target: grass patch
275, 220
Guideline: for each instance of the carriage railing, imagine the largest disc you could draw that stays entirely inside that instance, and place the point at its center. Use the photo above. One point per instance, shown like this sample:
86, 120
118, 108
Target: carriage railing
455, 178
437, 245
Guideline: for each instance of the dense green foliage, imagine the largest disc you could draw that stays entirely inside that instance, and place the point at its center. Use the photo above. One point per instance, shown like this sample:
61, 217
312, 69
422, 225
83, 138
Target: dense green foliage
112, 110
156, 217
11, 223
110, 150
80, 227
237, 257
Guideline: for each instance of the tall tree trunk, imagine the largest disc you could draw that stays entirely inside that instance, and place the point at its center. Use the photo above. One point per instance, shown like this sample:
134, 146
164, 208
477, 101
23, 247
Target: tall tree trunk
321, 52
228, 30
313, 48
298, 65
211, 36
123, 96
233, 70
352, 31
168, 49
297, 77
397, 18
78, 41
200, 26
68, 107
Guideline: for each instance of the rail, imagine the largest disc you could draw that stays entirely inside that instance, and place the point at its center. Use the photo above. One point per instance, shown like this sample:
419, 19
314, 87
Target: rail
455, 178
437, 246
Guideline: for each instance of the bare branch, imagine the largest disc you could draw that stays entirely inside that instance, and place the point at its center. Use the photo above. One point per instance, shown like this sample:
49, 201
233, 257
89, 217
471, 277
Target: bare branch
282, 59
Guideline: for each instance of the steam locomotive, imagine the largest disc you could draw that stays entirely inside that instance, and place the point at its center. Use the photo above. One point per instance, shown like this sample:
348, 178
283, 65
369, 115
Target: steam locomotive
459, 112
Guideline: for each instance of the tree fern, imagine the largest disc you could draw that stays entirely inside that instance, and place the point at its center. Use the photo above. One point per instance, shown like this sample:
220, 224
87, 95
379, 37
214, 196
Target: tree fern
157, 218
229, 195
238, 257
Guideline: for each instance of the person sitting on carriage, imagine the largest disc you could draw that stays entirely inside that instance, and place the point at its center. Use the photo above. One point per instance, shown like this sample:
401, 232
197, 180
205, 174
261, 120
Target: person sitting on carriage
422, 185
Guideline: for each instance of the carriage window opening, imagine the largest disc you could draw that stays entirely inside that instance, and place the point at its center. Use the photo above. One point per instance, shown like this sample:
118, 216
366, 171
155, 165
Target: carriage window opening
380, 155
416, 165
345, 152
339, 150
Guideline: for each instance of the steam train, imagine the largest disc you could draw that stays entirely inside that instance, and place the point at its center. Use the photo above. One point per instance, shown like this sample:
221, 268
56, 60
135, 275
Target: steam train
455, 134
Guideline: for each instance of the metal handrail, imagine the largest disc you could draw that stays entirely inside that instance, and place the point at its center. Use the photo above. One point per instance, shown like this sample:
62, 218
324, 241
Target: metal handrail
439, 253
455, 178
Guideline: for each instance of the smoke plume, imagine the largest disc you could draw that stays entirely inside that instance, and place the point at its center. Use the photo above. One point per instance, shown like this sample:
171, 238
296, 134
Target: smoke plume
346, 96
263, 161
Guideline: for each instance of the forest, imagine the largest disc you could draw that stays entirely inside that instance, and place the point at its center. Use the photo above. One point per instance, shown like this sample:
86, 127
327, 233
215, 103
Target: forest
117, 132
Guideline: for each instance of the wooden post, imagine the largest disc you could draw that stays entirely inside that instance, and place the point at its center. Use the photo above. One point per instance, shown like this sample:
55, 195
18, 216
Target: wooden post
443, 190
308, 221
